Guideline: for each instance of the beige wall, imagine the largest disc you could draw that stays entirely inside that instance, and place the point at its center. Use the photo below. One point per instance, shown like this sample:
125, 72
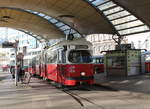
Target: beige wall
102, 42
4, 58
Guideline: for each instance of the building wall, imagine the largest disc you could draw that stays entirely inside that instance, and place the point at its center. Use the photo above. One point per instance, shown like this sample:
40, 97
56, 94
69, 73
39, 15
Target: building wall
25, 41
102, 42
4, 57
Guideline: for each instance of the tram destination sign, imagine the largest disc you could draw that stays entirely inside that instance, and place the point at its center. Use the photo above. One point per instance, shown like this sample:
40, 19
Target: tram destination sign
81, 46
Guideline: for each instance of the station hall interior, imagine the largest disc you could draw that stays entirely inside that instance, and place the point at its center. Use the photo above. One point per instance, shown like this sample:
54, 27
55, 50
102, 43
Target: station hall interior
73, 42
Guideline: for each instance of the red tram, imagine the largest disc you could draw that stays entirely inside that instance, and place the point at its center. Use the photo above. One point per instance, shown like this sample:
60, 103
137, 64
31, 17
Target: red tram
67, 63
98, 64
146, 62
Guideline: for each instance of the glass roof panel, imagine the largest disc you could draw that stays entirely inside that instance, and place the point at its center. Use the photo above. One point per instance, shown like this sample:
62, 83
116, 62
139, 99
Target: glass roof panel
131, 24
48, 17
55, 22
107, 5
41, 14
67, 31
64, 27
98, 2
117, 15
133, 30
59, 24
122, 20
117, 9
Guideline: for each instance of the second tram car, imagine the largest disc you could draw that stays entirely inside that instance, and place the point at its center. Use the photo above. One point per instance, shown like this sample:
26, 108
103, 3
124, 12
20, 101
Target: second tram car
146, 62
67, 63
31, 66
98, 64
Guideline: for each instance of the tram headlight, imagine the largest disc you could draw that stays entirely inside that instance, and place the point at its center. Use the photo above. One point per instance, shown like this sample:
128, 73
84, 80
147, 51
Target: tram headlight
83, 73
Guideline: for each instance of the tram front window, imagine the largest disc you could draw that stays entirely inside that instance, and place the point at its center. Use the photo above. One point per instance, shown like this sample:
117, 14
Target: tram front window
80, 56
147, 57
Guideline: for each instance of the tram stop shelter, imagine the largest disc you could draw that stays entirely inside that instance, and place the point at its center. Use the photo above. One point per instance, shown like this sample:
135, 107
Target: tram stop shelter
123, 63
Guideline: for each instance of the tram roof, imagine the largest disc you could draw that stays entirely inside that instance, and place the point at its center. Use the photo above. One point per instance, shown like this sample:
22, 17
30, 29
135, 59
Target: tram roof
82, 17
80, 41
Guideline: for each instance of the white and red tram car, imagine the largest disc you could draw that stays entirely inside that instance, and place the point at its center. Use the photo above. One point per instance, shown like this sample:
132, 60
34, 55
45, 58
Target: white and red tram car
67, 62
145, 57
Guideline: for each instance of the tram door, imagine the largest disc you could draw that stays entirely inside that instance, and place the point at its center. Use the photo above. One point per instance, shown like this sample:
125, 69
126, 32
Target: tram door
61, 63
37, 66
43, 66
61, 56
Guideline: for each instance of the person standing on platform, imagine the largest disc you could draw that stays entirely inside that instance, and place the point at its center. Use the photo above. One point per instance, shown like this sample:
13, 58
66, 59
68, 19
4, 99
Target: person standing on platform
12, 71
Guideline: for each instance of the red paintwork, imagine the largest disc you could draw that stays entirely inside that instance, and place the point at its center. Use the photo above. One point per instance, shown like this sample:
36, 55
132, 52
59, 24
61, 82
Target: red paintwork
147, 66
60, 73
38, 71
31, 70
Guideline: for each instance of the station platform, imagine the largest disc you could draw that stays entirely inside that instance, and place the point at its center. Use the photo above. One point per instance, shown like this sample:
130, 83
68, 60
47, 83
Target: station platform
36, 95
139, 83
131, 93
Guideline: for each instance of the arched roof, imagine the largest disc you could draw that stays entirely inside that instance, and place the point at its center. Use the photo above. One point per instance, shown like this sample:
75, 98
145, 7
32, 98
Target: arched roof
22, 20
85, 18
53, 19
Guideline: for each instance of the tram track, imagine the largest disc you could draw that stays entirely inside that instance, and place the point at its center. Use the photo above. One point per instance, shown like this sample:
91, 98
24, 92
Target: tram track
75, 92
81, 100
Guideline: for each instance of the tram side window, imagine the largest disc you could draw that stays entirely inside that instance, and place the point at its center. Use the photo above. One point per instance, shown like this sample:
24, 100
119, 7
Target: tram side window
33, 62
147, 57
37, 61
25, 62
52, 57
62, 56
99, 60
43, 58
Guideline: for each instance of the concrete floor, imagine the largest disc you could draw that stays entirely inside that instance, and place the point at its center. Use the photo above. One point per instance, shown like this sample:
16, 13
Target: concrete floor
42, 95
